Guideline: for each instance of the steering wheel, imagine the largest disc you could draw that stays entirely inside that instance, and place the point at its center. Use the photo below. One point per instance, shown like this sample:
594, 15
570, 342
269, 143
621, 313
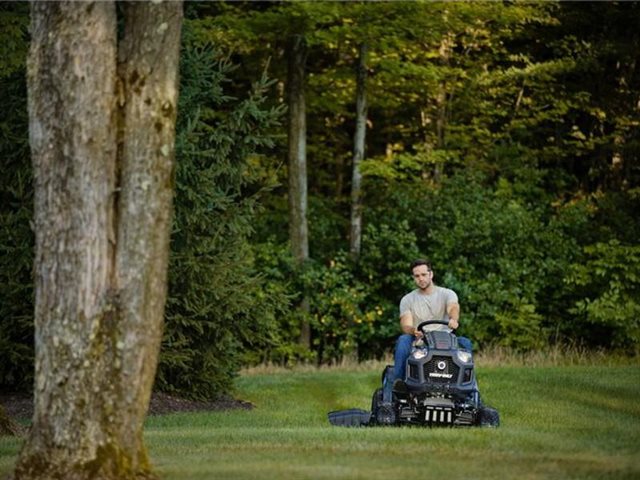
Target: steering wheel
431, 322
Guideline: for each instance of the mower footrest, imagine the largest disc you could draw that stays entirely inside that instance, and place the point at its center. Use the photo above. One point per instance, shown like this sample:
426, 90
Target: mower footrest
354, 417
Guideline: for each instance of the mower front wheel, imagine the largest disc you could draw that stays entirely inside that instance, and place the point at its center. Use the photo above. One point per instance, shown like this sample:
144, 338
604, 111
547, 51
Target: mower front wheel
382, 413
488, 417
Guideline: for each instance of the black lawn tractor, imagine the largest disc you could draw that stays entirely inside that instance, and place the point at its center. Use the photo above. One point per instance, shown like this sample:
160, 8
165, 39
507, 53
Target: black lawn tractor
439, 389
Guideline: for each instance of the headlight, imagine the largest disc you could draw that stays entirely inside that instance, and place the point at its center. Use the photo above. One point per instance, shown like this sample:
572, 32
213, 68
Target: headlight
465, 357
418, 354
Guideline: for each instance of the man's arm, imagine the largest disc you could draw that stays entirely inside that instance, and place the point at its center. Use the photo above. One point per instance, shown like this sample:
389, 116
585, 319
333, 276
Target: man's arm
453, 310
406, 323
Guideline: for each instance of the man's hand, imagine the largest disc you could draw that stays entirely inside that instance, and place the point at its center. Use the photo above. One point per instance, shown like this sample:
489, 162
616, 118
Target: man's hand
417, 333
453, 312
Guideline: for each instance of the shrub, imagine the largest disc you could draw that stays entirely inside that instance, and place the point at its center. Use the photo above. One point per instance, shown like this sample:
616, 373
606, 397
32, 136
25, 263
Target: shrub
608, 311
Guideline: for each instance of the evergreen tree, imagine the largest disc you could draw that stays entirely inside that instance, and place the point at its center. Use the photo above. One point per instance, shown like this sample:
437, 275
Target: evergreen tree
16, 204
217, 304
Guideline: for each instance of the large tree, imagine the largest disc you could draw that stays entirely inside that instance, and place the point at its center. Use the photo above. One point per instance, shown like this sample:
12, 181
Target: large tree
102, 127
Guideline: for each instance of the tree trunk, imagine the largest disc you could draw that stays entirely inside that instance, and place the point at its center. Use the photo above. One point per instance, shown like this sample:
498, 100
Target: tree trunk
102, 129
355, 239
446, 46
297, 161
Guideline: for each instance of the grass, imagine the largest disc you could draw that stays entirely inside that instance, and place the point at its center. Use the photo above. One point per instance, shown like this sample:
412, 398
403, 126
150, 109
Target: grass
569, 421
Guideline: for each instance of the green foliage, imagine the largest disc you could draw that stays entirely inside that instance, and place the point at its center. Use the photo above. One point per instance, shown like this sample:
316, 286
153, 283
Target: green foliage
16, 283
16, 209
520, 327
279, 278
337, 318
216, 307
609, 306
501, 256
387, 252
14, 38
354, 306
502, 144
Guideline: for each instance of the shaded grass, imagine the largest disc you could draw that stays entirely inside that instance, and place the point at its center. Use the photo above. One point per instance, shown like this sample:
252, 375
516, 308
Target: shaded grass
557, 422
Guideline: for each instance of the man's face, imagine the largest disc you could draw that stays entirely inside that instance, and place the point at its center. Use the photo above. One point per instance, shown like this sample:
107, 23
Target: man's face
422, 276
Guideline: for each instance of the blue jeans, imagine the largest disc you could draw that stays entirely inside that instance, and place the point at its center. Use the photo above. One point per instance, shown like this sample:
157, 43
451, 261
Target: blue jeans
403, 350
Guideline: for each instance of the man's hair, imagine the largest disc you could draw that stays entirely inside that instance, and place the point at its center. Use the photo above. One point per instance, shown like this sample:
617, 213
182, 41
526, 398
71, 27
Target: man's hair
418, 262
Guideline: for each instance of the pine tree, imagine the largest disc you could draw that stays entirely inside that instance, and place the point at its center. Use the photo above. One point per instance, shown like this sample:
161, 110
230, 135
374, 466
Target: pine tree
216, 303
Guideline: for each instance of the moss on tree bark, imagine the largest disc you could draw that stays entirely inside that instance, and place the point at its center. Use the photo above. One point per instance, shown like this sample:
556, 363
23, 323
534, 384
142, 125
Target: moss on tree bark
103, 174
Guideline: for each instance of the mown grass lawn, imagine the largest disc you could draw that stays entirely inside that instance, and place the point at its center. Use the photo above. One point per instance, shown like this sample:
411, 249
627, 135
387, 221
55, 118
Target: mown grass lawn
557, 422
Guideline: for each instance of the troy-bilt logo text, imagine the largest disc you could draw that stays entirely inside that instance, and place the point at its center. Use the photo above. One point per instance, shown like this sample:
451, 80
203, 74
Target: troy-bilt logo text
440, 375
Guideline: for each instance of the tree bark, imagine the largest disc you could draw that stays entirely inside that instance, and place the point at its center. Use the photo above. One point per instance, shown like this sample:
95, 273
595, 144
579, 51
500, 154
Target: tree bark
297, 161
446, 46
359, 142
102, 129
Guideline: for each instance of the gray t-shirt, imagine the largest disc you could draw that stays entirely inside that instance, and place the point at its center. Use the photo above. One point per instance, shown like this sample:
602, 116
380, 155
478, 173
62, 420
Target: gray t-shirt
429, 307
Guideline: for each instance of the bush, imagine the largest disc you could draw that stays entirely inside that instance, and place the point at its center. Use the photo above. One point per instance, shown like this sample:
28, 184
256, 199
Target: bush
608, 309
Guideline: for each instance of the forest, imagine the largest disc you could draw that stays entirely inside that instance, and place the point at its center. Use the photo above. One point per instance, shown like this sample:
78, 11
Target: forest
323, 146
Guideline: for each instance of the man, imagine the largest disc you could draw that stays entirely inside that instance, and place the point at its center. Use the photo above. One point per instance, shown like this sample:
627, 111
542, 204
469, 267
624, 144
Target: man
427, 302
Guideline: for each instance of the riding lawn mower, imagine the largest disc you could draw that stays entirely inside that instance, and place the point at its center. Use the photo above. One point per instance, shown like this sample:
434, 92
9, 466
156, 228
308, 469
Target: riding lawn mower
439, 389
